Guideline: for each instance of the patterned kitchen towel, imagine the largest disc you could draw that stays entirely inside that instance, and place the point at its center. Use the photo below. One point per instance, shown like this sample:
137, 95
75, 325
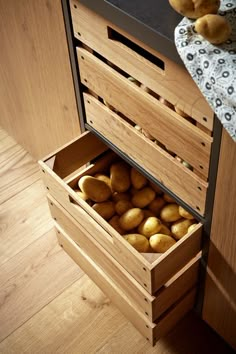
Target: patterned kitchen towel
212, 67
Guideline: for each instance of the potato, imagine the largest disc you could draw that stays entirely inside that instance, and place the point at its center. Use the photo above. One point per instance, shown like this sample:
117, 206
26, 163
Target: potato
191, 227
143, 197
82, 195
122, 206
139, 242
195, 8
185, 214
137, 179
131, 218
164, 230
214, 28
149, 226
160, 243
95, 189
170, 213
120, 177
132, 79
120, 196
180, 228
103, 178
168, 198
105, 209
114, 222
156, 205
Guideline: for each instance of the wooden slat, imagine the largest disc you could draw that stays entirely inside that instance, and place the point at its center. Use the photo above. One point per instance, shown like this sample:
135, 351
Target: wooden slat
76, 154
147, 154
26, 172
180, 136
174, 84
21, 279
21, 227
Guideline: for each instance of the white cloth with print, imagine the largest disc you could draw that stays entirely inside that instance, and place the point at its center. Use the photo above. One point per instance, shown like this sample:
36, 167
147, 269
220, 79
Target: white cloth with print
212, 67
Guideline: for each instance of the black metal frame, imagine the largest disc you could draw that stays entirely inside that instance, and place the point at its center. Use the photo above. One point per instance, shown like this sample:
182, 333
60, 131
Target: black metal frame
134, 27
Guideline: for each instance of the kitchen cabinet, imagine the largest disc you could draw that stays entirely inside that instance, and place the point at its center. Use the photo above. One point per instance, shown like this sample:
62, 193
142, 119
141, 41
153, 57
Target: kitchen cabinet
111, 61
37, 100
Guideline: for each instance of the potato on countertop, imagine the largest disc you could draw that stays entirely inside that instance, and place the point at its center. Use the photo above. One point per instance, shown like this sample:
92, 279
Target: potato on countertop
214, 28
195, 8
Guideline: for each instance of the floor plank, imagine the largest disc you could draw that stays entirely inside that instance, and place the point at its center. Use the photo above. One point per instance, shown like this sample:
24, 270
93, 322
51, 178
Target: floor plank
80, 320
23, 219
18, 170
32, 279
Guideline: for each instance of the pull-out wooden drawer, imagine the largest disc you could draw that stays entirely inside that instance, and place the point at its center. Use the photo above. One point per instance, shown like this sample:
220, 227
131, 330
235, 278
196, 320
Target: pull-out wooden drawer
152, 306
152, 331
149, 67
61, 173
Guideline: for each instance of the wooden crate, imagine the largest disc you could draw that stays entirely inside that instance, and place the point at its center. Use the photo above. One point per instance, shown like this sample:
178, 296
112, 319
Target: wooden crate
152, 306
152, 331
149, 67
61, 172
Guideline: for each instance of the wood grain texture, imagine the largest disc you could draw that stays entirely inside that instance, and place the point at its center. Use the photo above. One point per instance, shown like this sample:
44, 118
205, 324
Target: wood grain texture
37, 100
174, 83
177, 134
16, 231
26, 285
18, 170
220, 293
170, 172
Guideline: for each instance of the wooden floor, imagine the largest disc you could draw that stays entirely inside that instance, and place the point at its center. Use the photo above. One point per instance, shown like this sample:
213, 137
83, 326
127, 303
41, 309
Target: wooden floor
47, 304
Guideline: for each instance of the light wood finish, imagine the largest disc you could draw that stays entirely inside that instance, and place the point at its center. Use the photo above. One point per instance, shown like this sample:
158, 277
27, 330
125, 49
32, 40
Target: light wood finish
173, 83
37, 100
14, 158
170, 172
16, 228
151, 331
79, 319
150, 275
151, 306
164, 124
220, 292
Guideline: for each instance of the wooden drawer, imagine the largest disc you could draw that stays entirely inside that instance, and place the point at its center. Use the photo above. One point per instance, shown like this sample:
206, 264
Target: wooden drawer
150, 306
149, 67
152, 331
61, 172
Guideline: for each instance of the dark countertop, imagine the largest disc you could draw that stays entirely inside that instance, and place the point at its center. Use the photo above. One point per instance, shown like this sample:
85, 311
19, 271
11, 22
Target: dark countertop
151, 21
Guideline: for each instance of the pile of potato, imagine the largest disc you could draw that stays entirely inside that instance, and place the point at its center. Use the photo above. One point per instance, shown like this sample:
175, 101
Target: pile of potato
136, 208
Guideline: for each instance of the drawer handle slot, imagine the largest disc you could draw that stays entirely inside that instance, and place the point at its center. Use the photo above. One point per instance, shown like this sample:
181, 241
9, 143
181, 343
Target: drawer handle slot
118, 37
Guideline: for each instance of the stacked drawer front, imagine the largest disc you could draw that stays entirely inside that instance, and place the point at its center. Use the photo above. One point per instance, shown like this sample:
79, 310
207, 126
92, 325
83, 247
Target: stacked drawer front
153, 291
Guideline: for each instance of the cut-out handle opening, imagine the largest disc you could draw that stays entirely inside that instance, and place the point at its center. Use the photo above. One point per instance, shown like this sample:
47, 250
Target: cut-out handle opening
116, 36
